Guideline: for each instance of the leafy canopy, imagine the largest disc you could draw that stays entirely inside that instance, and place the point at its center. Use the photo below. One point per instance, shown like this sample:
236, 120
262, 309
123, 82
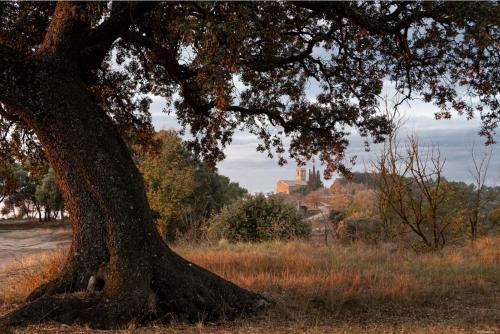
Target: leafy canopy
182, 192
227, 66
48, 194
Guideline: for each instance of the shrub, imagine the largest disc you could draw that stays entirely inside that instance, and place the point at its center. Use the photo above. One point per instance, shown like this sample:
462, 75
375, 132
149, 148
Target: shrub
367, 229
494, 217
258, 218
182, 192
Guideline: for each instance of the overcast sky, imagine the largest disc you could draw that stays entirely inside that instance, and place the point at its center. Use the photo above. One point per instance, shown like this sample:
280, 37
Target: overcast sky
455, 137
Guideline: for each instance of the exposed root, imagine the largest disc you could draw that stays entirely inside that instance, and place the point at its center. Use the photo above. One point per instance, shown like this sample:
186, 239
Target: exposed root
193, 294
169, 288
57, 285
64, 309
68, 281
94, 310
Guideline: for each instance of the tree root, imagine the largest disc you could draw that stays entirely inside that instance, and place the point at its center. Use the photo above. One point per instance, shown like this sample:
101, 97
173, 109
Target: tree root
175, 290
98, 311
72, 278
64, 309
194, 294
55, 286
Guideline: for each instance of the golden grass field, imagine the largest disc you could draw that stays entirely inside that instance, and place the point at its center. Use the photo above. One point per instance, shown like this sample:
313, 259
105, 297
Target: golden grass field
356, 288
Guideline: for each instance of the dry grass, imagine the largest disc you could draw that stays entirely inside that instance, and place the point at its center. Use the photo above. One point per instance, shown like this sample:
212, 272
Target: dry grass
317, 284
357, 288
19, 278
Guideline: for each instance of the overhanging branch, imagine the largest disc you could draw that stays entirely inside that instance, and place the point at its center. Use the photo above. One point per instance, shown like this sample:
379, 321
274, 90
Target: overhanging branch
273, 115
11, 66
101, 38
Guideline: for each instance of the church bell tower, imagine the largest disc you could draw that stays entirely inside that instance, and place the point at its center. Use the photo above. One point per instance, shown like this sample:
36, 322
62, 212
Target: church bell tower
300, 174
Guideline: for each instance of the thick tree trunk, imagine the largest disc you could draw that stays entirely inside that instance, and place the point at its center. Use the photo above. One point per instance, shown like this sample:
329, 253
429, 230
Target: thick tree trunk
116, 253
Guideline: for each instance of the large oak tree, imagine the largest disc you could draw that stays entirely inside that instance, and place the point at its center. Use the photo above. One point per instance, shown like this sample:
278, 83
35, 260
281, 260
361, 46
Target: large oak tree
75, 80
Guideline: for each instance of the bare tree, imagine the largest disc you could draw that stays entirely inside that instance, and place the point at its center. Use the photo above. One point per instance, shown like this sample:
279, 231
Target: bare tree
478, 173
411, 185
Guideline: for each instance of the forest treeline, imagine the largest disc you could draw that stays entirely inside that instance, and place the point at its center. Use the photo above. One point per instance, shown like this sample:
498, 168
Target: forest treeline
360, 211
30, 191
190, 201
184, 194
182, 191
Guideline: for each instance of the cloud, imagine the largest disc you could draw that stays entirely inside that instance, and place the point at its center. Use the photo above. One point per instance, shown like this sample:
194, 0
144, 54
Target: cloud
455, 137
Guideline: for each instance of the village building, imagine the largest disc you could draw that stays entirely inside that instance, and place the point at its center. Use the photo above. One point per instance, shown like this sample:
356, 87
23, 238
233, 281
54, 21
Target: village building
290, 186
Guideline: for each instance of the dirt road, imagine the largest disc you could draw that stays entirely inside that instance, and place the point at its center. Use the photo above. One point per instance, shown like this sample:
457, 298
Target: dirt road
19, 238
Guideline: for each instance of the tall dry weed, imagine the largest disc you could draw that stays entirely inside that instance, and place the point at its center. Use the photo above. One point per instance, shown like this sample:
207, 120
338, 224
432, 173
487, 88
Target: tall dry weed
25, 274
311, 282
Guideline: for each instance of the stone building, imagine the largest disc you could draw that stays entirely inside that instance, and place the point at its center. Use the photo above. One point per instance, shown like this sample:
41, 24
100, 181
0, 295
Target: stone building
290, 186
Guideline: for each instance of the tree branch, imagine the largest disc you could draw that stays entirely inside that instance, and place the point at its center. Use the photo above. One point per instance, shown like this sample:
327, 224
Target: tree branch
167, 58
101, 38
334, 10
261, 65
12, 64
273, 115
64, 35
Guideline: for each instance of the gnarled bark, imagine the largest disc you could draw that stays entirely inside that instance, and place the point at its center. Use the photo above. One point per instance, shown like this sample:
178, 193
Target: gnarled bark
88, 248
118, 268
114, 236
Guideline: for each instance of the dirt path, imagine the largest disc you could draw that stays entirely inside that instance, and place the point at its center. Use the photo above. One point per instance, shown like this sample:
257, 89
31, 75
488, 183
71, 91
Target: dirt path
19, 238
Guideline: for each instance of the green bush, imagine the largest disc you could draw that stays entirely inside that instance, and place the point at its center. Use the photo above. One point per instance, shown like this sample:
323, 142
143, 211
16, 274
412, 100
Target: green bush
182, 192
258, 218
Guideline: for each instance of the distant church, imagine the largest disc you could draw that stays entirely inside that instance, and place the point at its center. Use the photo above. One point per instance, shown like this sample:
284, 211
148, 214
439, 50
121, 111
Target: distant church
291, 186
